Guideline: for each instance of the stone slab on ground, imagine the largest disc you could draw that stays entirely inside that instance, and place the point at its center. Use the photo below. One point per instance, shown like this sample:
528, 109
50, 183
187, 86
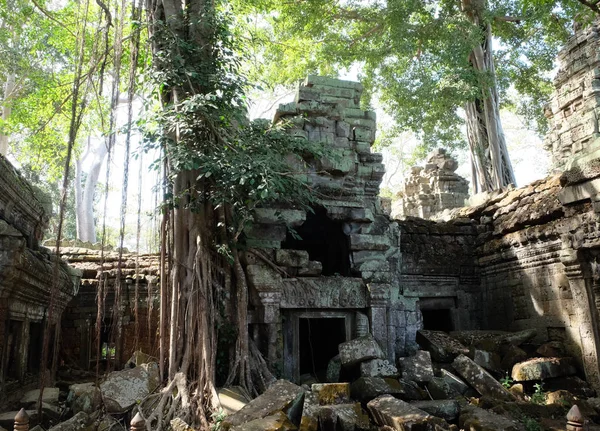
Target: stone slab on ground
417, 368
84, 397
543, 368
513, 355
479, 379
366, 388
401, 416
31, 397
281, 396
455, 382
445, 409
360, 349
275, 422
123, 389
378, 368
476, 419
440, 345
439, 389
232, 399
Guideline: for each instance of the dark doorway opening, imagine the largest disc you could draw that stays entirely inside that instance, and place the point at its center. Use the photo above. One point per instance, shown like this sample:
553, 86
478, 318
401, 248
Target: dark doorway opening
36, 339
13, 344
319, 339
324, 240
438, 320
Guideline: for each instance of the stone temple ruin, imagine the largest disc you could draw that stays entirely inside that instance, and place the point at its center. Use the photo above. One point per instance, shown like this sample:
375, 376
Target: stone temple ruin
391, 320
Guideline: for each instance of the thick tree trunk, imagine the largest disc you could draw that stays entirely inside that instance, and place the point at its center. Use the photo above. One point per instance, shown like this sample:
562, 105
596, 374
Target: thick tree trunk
484, 129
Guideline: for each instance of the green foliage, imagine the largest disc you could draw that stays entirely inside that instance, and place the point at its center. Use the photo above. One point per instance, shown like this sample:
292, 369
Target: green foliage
506, 381
413, 53
217, 419
539, 396
238, 164
531, 424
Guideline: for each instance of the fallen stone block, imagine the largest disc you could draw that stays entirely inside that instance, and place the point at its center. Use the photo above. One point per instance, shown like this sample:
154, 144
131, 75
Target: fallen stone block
552, 349
441, 390
367, 388
417, 368
543, 368
573, 384
331, 393
349, 417
475, 419
360, 349
494, 341
84, 397
480, 379
232, 399
445, 409
401, 416
291, 258
50, 396
121, 390
378, 368
275, 422
455, 382
281, 396
440, 345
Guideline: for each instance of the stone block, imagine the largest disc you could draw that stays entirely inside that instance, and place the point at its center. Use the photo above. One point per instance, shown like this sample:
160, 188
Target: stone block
123, 389
84, 397
275, 422
445, 409
401, 416
378, 368
331, 393
50, 396
477, 419
313, 269
367, 388
81, 421
350, 417
360, 349
455, 382
513, 354
441, 390
342, 129
289, 217
480, 379
232, 399
262, 276
417, 368
266, 232
291, 258
281, 396
543, 368
488, 360
369, 242
440, 345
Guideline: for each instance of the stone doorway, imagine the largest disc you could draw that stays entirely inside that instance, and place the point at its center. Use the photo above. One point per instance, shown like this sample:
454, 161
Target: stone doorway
438, 314
311, 339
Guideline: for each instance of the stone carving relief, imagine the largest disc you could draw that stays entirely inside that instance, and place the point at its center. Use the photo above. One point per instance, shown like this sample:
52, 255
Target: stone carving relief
325, 292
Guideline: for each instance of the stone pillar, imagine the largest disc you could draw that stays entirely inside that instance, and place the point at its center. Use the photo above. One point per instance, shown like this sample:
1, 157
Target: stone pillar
585, 321
271, 317
23, 349
379, 301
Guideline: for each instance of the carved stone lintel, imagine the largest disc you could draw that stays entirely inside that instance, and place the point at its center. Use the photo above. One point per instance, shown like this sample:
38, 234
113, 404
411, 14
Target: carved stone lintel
325, 292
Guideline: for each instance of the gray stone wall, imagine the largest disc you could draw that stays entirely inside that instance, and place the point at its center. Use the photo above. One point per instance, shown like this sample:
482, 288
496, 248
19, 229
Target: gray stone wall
574, 108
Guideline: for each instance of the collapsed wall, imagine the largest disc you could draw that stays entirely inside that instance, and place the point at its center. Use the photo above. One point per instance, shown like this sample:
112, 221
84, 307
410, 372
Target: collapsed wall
29, 276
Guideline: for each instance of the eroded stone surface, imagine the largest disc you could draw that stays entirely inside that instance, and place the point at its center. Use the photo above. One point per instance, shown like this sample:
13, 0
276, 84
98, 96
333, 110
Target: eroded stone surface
480, 379
50, 396
445, 409
275, 422
440, 345
123, 389
417, 368
476, 419
378, 368
401, 416
281, 396
543, 368
360, 349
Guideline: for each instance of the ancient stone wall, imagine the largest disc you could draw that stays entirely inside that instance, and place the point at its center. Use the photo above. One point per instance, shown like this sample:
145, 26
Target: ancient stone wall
574, 107
79, 334
430, 190
29, 276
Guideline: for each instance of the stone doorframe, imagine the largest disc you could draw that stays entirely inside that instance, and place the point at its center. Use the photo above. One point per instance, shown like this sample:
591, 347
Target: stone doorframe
291, 336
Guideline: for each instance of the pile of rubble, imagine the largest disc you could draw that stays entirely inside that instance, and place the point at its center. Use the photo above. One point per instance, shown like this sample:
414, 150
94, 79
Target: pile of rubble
87, 406
471, 380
